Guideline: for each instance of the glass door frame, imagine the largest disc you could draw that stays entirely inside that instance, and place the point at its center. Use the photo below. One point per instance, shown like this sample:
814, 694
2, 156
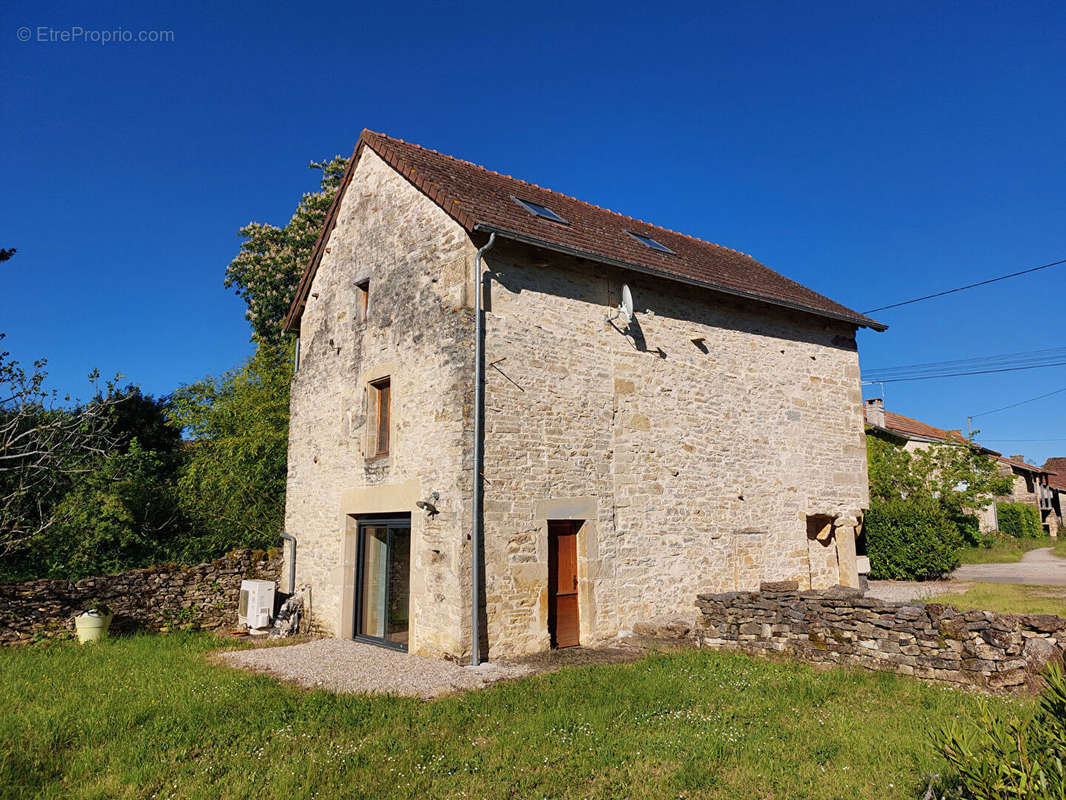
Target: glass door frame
390, 522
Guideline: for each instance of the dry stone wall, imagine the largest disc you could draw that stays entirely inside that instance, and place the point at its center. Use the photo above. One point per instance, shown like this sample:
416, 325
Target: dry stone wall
840, 626
157, 598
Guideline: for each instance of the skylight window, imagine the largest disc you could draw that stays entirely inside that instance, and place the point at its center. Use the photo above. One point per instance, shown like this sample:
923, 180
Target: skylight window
537, 210
649, 242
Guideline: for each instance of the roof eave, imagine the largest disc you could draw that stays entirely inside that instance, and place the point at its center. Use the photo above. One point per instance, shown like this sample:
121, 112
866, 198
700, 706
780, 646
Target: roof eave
291, 323
917, 437
862, 322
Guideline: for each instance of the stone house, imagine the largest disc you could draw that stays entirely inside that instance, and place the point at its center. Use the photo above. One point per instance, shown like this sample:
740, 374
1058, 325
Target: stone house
1056, 470
1030, 483
1030, 486
710, 440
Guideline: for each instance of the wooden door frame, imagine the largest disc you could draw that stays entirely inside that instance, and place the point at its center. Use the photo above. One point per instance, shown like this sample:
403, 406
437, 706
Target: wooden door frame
574, 527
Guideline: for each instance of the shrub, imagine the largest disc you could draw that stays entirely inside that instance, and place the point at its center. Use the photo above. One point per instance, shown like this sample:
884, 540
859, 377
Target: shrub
969, 527
911, 540
1020, 520
999, 757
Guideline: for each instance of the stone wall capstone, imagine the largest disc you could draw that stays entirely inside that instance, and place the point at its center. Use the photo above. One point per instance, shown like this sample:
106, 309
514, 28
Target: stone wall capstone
840, 626
160, 598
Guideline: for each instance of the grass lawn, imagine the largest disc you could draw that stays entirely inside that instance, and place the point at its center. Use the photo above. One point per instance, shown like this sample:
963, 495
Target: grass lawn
1060, 547
150, 717
1005, 550
1008, 598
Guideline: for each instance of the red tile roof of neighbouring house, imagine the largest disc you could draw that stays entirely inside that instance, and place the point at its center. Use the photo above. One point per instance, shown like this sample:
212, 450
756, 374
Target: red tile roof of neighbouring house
906, 426
1013, 462
484, 201
912, 427
1056, 469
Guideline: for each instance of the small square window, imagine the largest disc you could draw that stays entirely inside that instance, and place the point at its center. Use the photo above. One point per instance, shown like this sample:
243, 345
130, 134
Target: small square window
649, 242
362, 299
537, 210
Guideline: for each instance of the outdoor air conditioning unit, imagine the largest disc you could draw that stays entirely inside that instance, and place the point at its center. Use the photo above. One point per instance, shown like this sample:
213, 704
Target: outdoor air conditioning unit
256, 604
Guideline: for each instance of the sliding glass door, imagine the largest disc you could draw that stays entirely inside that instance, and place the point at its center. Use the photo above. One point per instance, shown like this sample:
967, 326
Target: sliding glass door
383, 581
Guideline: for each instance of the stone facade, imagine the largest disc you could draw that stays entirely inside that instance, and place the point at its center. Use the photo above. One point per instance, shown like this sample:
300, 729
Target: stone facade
157, 598
1032, 489
696, 445
840, 626
418, 332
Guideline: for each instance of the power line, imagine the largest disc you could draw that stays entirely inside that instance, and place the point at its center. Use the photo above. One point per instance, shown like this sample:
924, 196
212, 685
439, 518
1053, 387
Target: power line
1009, 362
968, 286
1026, 440
1001, 360
1021, 403
960, 374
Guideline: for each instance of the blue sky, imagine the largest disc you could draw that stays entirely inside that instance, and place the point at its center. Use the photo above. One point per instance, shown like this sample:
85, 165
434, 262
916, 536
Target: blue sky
872, 151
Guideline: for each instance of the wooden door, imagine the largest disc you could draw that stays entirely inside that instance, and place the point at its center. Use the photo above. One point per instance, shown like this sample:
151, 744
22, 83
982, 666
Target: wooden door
562, 583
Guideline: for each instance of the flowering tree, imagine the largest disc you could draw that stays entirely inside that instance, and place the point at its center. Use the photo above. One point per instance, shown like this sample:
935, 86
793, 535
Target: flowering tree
267, 270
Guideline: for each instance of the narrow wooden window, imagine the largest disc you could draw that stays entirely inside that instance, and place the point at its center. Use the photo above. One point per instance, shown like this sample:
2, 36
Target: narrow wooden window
378, 419
363, 290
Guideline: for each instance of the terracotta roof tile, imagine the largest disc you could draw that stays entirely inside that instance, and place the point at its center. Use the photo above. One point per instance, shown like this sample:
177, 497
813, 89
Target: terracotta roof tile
913, 427
483, 200
1056, 469
1021, 464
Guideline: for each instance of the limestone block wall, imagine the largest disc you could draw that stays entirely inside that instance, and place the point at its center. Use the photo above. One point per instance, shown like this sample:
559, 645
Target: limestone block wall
418, 332
695, 444
840, 626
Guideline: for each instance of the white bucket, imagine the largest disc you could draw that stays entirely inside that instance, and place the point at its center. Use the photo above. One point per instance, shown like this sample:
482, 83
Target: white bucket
92, 626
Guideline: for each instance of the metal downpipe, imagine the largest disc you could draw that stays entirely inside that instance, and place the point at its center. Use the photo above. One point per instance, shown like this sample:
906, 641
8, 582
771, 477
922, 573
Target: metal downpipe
479, 454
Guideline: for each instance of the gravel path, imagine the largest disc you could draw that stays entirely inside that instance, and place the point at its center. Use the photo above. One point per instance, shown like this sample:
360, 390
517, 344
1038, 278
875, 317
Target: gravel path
348, 667
1037, 568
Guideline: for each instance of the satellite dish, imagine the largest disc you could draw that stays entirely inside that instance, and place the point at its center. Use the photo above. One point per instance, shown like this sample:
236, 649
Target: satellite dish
626, 306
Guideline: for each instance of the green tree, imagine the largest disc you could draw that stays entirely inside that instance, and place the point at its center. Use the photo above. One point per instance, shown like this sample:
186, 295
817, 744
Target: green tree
232, 482
121, 515
267, 270
958, 477
46, 444
114, 508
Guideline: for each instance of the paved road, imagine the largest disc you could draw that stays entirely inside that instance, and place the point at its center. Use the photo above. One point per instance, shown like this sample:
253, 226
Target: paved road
1037, 567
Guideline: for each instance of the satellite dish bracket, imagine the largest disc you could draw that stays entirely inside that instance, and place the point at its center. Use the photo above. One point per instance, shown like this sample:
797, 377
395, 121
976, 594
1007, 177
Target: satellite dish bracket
625, 308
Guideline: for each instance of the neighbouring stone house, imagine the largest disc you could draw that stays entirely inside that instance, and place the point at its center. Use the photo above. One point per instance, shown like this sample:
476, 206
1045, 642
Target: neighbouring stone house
1030, 486
711, 441
1030, 483
1056, 470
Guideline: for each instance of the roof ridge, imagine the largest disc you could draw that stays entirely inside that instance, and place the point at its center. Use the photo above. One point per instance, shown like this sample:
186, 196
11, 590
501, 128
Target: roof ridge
470, 194
483, 168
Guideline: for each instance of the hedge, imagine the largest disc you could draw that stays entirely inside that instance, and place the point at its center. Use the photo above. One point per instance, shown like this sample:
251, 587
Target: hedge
1019, 520
911, 540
